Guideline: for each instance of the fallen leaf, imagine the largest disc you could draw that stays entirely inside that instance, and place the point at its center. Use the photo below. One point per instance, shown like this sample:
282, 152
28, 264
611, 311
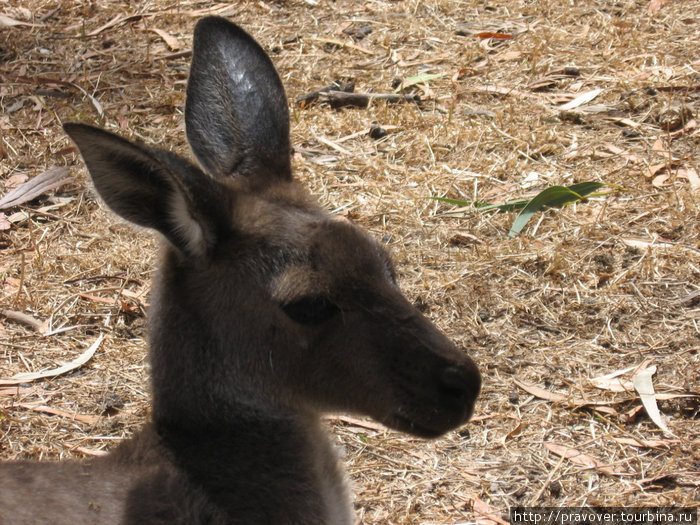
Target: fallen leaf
622, 153
119, 19
659, 180
578, 457
599, 406
691, 175
461, 73
11, 285
508, 55
583, 98
646, 443
641, 244
49, 180
15, 180
645, 387
486, 34
84, 418
486, 514
96, 298
631, 414
612, 381
691, 125
499, 90
476, 419
92, 99
605, 410
654, 169
655, 6
6, 21
91, 451
130, 308
27, 320
4, 223
16, 391
138, 297
662, 172
83, 358
517, 430
421, 78
170, 40
660, 148
539, 392
462, 238
622, 121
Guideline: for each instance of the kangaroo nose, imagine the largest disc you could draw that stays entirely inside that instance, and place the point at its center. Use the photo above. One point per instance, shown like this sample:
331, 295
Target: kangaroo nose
461, 383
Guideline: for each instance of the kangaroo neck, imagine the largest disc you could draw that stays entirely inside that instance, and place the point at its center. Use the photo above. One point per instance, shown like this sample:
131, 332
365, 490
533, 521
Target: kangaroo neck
264, 469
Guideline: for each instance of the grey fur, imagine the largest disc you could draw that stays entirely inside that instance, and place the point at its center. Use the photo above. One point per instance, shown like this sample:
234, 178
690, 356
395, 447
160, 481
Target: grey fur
266, 313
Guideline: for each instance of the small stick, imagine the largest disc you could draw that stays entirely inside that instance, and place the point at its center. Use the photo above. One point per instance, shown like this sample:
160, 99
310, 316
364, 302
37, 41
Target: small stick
24, 319
339, 99
336, 85
177, 54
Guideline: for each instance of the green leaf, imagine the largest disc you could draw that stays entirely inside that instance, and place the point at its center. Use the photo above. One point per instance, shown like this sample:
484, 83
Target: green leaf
586, 188
549, 198
456, 202
554, 196
513, 205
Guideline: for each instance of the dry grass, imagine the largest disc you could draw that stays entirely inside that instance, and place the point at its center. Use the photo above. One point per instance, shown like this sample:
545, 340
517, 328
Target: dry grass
594, 288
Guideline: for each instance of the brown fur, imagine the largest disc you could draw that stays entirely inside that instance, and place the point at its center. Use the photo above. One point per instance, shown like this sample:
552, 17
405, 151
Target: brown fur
266, 313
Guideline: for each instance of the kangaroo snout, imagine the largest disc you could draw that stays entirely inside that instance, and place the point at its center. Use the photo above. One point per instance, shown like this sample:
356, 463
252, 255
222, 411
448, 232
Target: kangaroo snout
461, 383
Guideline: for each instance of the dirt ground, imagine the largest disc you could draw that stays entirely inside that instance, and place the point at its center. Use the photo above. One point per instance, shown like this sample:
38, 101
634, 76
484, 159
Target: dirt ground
564, 319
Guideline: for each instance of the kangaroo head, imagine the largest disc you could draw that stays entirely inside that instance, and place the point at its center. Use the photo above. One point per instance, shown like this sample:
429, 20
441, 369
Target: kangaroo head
263, 299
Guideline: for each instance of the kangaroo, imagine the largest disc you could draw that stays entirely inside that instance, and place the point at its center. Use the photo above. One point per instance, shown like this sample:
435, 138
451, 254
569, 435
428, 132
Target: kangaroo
266, 313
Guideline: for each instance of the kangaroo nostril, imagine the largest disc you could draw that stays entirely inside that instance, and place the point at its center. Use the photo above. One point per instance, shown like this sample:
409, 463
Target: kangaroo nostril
460, 382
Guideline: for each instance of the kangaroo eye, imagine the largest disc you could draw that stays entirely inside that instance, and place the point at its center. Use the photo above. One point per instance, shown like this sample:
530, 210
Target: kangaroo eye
310, 310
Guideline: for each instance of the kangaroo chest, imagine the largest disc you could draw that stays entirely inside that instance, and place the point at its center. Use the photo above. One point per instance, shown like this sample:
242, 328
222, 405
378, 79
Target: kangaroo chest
280, 477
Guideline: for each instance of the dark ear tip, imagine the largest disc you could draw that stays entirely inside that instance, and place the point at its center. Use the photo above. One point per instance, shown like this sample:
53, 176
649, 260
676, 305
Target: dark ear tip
75, 128
209, 24
212, 20
68, 126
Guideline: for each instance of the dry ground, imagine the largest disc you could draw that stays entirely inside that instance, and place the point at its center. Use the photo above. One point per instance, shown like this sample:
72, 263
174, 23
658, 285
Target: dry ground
603, 286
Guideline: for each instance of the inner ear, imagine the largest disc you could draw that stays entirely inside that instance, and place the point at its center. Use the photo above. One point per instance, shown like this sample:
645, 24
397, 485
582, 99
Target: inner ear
153, 188
236, 115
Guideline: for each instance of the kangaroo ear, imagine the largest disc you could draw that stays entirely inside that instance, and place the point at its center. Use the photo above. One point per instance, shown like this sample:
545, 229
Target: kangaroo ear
236, 114
152, 188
